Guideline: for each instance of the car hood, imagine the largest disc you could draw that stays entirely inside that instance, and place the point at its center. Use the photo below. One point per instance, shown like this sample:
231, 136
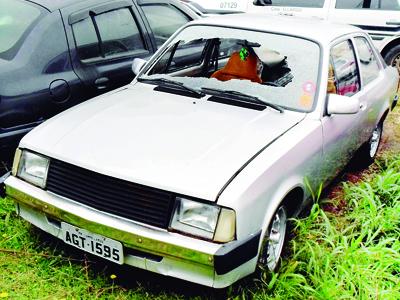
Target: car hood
172, 142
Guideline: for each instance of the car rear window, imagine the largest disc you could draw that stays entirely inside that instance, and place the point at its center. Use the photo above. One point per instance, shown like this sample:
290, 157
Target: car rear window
16, 17
298, 3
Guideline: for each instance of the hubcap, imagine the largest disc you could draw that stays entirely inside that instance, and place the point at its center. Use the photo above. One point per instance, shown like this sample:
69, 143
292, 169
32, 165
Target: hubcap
276, 238
374, 142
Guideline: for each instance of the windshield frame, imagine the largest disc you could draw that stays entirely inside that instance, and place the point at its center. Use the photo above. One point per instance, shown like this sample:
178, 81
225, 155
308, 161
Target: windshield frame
173, 39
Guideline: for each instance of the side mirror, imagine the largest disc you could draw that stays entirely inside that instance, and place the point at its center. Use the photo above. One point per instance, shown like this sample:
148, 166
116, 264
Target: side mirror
342, 105
137, 65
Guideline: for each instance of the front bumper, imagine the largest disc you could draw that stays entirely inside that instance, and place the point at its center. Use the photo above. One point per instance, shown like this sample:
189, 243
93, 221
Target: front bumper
149, 248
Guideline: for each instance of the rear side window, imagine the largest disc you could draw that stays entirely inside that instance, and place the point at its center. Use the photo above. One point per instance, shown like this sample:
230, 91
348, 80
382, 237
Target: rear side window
16, 17
86, 39
345, 69
298, 3
369, 67
111, 33
164, 20
118, 32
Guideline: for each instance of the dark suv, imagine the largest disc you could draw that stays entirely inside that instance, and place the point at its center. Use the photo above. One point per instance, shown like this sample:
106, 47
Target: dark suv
55, 54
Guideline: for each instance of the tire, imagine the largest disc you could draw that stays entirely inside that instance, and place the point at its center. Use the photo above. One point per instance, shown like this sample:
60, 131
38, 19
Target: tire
274, 240
392, 57
369, 150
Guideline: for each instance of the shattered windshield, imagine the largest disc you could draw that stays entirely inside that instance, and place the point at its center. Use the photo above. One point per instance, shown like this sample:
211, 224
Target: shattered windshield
278, 69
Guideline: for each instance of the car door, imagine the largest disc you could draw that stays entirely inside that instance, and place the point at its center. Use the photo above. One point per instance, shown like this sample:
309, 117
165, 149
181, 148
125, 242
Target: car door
343, 134
164, 18
372, 95
303, 8
380, 18
104, 38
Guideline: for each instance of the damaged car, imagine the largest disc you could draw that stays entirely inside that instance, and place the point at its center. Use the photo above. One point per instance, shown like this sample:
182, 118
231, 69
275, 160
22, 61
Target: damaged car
194, 169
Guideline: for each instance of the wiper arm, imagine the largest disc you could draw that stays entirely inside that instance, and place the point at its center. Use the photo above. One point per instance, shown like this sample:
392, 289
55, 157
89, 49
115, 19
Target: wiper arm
172, 83
242, 97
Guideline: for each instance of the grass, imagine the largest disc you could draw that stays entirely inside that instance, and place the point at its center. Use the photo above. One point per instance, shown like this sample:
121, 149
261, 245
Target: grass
351, 256
349, 252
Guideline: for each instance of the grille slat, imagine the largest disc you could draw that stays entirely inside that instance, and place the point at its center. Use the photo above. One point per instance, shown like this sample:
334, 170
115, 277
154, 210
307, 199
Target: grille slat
118, 197
85, 198
110, 183
112, 195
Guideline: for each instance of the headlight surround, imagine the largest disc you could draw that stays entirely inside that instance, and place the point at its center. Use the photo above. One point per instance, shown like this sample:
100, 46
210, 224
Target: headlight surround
33, 168
201, 219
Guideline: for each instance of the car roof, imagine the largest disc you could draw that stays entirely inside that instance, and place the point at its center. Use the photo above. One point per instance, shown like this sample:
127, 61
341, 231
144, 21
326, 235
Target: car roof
319, 30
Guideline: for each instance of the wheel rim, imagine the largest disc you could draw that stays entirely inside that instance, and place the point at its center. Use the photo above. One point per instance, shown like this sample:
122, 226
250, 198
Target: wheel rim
276, 238
396, 62
374, 142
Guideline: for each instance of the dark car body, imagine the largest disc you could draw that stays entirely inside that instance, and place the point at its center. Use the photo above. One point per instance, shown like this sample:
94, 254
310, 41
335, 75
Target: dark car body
63, 52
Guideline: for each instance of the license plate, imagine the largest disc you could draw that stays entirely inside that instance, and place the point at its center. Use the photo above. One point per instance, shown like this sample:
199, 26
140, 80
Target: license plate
92, 243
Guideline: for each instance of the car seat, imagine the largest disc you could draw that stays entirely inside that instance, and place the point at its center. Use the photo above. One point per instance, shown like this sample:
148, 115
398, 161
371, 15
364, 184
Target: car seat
239, 68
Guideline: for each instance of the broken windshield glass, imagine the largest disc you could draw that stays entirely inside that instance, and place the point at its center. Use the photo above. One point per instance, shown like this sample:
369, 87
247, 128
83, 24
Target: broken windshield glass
277, 69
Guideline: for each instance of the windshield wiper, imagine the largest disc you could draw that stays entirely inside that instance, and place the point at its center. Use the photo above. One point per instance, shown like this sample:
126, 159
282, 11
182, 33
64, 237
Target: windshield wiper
165, 81
242, 97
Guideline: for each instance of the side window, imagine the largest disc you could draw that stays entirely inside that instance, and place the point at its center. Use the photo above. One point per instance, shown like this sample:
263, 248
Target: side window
164, 20
369, 67
385, 4
352, 4
345, 69
117, 34
86, 39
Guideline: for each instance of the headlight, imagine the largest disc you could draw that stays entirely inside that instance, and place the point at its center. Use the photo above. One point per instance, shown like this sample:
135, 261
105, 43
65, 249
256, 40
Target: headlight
204, 220
33, 168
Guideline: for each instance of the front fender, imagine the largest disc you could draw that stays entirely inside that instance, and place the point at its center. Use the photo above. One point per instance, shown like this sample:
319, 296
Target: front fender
260, 187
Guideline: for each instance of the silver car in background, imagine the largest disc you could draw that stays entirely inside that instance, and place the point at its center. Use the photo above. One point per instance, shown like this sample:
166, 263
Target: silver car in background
193, 169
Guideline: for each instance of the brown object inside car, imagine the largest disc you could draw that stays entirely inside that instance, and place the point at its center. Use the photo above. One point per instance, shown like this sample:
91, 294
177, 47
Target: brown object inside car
236, 68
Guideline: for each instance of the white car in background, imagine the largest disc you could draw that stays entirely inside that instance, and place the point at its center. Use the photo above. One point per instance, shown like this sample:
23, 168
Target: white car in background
380, 18
194, 169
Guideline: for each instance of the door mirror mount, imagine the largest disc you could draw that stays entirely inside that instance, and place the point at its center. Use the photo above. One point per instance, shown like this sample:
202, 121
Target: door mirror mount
342, 105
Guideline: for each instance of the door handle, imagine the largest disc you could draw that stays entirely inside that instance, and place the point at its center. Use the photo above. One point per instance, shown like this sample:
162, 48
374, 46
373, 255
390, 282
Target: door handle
393, 23
102, 83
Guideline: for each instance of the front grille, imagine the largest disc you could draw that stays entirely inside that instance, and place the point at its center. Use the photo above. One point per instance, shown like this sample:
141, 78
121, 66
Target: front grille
112, 195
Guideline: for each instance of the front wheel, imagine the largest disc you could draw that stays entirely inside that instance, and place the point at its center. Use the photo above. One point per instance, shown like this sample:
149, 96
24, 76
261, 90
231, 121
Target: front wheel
274, 240
369, 150
392, 57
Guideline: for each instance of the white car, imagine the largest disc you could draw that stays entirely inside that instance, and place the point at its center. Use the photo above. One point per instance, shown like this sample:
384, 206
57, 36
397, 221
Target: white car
380, 18
193, 169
